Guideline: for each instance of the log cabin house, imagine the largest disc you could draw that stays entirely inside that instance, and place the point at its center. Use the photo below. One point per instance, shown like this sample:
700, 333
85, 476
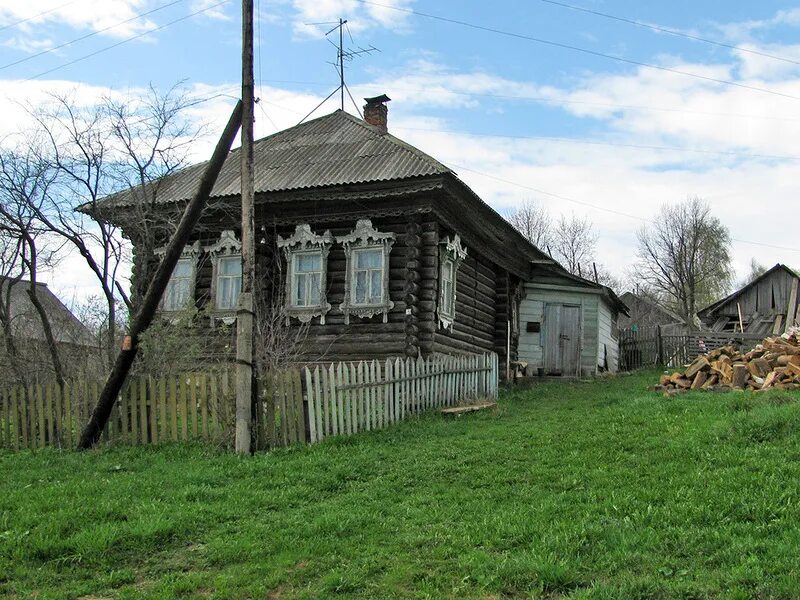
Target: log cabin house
376, 248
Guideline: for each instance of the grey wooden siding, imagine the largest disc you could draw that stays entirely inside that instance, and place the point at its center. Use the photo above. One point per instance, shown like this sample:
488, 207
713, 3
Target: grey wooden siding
608, 345
532, 310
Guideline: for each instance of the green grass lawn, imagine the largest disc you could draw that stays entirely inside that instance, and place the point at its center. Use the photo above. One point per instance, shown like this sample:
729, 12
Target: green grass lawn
584, 490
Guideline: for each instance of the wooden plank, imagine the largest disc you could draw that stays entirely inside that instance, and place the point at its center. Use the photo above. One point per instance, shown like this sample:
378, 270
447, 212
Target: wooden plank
133, 403
183, 407
18, 421
143, 416
161, 401
337, 399
387, 393
173, 407
42, 419
312, 405
380, 401
300, 413
25, 419
124, 410
59, 414
327, 425
269, 414
458, 410
213, 408
203, 383
364, 394
5, 429
283, 437
351, 399
152, 404
318, 405
193, 404
791, 308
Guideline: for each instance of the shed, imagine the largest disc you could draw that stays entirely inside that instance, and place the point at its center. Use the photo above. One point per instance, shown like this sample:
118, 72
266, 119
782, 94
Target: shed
568, 325
766, 305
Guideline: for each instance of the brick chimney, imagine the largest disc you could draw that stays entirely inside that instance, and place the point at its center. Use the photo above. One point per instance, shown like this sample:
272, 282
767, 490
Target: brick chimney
376, 112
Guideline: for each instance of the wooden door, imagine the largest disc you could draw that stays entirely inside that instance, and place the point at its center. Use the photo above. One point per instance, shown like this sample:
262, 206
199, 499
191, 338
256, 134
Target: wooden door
551, 332
562, 339
570, 340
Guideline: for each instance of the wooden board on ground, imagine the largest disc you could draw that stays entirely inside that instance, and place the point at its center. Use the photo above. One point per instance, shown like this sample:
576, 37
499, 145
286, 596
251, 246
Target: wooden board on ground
460, 410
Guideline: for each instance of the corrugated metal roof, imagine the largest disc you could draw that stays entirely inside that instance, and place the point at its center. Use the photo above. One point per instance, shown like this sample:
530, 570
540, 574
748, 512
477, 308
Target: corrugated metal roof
337, 149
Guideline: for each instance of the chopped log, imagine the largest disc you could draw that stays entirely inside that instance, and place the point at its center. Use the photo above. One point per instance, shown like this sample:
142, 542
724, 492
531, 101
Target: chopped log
700, 363
769, 380
699, 380
740, 375
663, 380
711, 381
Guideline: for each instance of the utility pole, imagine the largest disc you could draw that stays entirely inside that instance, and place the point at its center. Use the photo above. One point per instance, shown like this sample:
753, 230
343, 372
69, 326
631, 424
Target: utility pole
246, 309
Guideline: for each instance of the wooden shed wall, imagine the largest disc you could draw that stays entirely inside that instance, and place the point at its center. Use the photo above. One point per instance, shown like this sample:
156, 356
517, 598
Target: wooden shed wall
531, 348
607, 344
768, 297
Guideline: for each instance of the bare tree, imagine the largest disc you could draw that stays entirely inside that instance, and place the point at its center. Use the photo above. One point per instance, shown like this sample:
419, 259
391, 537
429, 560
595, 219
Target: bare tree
25, 183
107, 148
574, 242
685, 255
533, 221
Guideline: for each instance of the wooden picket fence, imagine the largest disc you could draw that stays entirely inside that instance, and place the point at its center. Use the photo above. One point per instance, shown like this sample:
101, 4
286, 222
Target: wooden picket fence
149, 410
648, 347
294, 406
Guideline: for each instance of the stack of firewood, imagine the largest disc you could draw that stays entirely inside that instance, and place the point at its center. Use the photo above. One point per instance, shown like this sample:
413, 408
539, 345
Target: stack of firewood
772, 364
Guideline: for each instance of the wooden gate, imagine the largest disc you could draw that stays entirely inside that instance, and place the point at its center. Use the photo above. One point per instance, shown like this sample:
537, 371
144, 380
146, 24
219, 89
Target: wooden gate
562, 339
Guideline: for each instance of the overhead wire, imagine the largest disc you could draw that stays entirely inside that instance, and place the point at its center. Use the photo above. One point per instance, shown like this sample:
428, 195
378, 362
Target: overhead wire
130, 39
562, 45
669, 31
89, 35
37, 15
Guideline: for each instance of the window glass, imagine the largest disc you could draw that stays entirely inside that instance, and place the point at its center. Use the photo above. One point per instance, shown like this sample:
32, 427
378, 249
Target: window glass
448, 298
307, 279
229, 281
179, 287
368, 274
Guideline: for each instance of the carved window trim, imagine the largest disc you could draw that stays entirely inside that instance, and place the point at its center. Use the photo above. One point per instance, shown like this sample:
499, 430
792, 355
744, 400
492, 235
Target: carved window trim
450, 253
366, 237
305, 241
190, 253
228, 246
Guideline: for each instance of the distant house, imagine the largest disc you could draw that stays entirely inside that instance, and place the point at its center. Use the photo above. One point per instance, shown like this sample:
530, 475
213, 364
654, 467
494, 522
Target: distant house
72, 336
766, 305
569, 325
645, 312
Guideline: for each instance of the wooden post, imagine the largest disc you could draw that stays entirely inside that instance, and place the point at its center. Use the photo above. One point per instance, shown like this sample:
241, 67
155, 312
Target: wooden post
245, 313
659, 345
93, 429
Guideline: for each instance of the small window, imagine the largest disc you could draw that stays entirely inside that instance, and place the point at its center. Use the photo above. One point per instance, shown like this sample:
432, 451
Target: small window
367, 253
368, 276
177, 296
451, 255
307, 284
229, 281
448, 298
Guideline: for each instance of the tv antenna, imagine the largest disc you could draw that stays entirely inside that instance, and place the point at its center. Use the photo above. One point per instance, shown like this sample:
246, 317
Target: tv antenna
343, 54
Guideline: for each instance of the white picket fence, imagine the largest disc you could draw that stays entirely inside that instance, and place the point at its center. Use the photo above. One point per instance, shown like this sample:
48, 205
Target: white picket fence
347, 398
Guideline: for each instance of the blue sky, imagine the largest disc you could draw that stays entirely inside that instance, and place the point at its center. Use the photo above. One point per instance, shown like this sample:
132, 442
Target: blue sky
517, 119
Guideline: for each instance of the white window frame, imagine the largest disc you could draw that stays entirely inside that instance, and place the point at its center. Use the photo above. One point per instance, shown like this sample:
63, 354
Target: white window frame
450, 253
189, 253
305, 242
227, 247
366, 237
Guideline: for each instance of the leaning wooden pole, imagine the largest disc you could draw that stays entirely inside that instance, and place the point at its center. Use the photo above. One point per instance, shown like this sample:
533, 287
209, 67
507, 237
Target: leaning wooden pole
146, 313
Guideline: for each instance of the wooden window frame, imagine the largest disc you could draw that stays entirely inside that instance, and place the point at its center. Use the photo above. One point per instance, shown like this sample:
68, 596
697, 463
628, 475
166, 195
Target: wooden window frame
189, 253
305, 241
366, 237
450, 252
228, 246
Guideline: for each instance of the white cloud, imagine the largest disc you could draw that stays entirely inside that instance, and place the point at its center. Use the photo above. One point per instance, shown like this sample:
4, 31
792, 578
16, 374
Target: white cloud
360, 16
79, 14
